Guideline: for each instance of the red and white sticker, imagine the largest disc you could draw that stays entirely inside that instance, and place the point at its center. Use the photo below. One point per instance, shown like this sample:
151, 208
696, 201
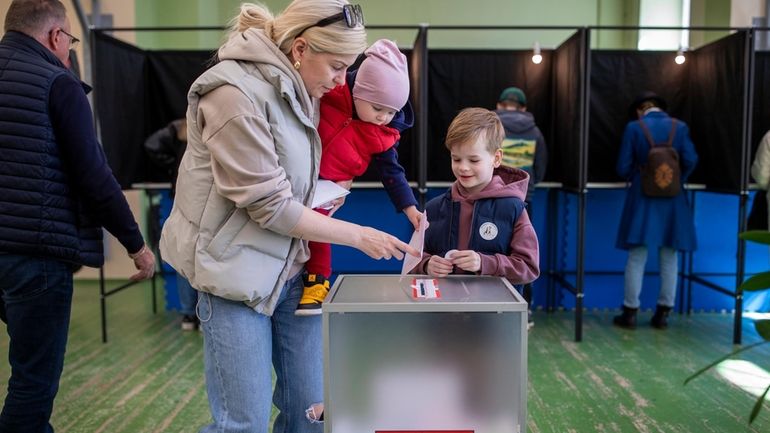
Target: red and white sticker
424, 431
425, 288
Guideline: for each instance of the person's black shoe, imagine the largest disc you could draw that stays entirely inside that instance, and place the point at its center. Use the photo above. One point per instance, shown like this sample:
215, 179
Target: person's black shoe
626, 319
660, 318
189, 323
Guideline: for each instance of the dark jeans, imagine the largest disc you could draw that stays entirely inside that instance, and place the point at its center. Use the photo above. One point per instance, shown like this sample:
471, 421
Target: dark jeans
35, 301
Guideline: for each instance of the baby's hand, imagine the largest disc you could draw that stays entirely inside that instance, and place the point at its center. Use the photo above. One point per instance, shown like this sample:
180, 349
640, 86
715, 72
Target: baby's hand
413, 215
467, 260
438, 267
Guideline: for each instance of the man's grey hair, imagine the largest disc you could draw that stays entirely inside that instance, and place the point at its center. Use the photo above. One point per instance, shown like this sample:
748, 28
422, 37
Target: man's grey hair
34, 17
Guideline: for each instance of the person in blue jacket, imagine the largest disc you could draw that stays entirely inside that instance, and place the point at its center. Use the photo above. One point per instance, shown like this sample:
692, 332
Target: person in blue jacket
647, 222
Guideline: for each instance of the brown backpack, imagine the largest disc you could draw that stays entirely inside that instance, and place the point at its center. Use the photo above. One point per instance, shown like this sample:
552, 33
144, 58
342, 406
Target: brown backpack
661, 174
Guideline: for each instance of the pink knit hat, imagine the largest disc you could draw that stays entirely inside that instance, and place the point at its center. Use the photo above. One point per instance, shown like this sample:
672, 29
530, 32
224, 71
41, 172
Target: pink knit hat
383, 78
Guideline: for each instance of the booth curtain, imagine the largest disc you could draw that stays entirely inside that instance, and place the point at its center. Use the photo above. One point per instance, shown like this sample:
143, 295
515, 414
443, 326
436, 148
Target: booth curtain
565, 153
474, 78
136, 93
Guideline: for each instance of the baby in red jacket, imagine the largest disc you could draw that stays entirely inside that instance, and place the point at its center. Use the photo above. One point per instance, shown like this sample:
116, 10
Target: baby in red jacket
361, 123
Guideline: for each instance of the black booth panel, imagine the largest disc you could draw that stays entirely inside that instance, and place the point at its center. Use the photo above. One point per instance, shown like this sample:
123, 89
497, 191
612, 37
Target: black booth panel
119, 90
564, 156
171, 74
616, 78
137, 93
761, 116
459, 79
154, 85
716, 89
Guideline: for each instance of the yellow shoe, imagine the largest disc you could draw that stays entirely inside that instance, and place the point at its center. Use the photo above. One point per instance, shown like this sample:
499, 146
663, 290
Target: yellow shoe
316, 288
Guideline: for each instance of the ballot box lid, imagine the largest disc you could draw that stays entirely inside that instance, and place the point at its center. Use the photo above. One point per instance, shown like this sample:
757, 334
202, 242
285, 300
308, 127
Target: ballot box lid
395, 293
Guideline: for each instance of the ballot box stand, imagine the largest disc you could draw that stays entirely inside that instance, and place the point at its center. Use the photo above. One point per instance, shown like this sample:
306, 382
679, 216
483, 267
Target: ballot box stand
396, 360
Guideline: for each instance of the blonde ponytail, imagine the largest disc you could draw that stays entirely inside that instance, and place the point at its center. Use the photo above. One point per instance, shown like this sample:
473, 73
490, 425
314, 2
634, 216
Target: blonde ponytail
301, 15
251, 15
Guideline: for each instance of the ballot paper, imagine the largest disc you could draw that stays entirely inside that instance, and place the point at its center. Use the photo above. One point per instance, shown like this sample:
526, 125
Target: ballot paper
417, 242
325, 192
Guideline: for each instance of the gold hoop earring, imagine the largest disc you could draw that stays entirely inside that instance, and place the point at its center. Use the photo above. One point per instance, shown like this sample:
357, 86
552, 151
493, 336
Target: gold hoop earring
296, 65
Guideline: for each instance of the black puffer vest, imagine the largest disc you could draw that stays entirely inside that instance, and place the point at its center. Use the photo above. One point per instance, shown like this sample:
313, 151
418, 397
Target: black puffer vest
492, 225
40, 214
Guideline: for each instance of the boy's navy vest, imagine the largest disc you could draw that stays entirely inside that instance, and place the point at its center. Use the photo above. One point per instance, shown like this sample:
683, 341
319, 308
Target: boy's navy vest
491, 228
39, 213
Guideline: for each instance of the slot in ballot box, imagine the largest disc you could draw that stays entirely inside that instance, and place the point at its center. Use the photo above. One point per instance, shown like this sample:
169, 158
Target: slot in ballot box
397, 359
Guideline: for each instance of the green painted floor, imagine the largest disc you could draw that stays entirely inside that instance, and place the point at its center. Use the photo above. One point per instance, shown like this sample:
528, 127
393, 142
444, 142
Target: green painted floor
149, 378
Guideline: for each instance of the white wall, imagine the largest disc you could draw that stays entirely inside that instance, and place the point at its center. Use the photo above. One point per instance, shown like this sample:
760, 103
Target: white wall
743, 11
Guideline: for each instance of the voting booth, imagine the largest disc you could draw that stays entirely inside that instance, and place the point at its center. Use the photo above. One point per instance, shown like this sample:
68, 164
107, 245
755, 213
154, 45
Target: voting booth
417, 354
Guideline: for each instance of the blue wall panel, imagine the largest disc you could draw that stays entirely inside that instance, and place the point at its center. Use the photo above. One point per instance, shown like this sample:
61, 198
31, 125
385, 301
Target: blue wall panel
716, 224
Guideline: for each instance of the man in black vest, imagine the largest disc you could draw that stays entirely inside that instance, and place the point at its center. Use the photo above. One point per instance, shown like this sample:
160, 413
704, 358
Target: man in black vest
56, 192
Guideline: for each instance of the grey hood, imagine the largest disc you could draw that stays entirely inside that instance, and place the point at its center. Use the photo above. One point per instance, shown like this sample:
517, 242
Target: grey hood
255, 47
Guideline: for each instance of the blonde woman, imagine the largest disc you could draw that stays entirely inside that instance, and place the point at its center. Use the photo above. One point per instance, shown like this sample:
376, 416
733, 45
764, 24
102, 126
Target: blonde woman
239, 227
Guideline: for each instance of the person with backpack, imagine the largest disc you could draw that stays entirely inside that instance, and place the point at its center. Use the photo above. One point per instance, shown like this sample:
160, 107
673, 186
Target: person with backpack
656, 157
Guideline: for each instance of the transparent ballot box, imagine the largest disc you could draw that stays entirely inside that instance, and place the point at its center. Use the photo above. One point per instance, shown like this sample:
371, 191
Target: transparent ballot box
417, 354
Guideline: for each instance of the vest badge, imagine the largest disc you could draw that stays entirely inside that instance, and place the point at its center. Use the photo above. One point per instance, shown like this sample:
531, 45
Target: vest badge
488, 231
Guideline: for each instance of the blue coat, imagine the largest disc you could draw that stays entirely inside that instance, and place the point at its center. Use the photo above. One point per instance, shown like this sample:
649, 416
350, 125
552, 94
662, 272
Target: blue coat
655, 221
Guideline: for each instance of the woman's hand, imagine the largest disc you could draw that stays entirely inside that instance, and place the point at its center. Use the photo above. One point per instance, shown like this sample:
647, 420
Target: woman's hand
438, 267
380, 245
338, 202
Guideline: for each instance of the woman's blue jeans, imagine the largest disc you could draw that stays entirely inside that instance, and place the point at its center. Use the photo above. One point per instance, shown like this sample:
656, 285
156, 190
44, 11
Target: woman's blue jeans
669, 269
241, 349
35, 304
188, 296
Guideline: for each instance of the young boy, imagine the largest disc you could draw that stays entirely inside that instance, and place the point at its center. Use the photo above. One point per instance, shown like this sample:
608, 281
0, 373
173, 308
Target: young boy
480, 226
360, 123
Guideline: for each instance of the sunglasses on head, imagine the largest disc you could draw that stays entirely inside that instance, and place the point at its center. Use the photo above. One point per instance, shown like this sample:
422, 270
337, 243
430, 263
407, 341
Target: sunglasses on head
351, 14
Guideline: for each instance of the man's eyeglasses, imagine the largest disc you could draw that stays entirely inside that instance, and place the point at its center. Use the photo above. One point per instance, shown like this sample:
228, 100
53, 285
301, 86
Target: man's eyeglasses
73, 40
352, 14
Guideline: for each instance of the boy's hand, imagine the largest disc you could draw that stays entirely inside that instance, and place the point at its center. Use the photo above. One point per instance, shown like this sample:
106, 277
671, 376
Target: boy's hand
438, 267
413, 215
467, 260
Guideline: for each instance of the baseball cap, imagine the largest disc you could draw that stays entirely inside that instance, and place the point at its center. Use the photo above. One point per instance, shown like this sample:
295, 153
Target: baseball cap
513, 94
